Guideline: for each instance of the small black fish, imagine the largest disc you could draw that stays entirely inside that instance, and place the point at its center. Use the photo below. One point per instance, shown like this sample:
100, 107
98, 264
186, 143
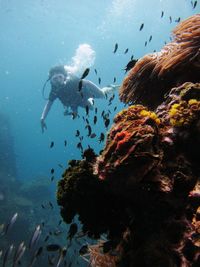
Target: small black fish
145, 44
72, 231
50, 204
102, 113
170, 19
42, 206
178, 19
95, 110
101, 138
99, 80
53, 247
95, 119
106, 122
87, 110
77, 133
52, 144
116, 47
79, 146
126, 51
114, 80
60, 165
89, 129
93, 135
141, 27
85, 73
115, 108
150, 38
130, 65
52, 171
162, 14
87, 121
46, 238
65, 143
195, 3
52, 178
80, 84
95, 71
132, 57
60, 221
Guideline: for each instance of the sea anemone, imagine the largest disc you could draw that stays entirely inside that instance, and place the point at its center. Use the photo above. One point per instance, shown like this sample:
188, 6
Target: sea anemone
176, 63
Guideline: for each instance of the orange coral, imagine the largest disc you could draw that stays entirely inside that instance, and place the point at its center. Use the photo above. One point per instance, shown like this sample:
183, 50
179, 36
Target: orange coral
156, 73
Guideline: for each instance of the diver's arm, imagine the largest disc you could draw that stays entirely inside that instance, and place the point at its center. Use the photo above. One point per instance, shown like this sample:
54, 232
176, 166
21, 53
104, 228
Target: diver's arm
98, 92
44, 114
92, 89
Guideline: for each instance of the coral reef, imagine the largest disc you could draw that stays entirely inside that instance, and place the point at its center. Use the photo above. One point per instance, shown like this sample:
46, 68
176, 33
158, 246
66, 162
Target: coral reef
142, 193
155, 74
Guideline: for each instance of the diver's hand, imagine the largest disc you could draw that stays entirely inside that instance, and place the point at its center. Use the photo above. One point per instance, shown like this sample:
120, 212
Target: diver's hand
43, 125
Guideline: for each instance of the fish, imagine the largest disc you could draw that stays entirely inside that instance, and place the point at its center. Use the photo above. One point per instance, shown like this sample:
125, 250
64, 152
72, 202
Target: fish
52, 144
87, 110
89, 129
150, 38
126, 51
77, 133
95, 110
99, 80
195, 3
52, 178
95, 119
19, 253
87, 121
35, 237
115, 49
7, 254
53, 247
170, 19
145, 44
46, 238
130, 65
79, 146
52, 171
60, 165
102, 113
101, 138
50, 204
42, 206
85, 73
115, 108
114, 80
80, 84
162, 13
61, 257
132, 57
95, 71
141, 26
65, 143
93, 135
178, 19
106, 122
111, 98
11, 223
72, 231
36, 254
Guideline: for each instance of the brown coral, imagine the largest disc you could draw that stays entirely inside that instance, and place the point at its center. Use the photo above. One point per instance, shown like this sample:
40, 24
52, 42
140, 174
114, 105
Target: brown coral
155, 74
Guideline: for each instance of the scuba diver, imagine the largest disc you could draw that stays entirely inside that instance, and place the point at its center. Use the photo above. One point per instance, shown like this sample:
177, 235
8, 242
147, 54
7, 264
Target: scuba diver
72, 91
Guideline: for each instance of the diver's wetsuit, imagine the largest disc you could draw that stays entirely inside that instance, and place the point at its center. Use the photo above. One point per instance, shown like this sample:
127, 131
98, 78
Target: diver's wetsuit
71, 96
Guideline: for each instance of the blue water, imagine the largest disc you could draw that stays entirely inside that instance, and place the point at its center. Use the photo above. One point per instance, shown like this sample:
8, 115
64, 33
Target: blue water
36, 35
